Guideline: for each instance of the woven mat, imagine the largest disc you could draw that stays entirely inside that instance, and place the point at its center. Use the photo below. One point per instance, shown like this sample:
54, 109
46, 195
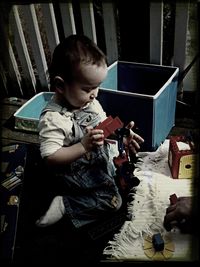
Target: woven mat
148, 209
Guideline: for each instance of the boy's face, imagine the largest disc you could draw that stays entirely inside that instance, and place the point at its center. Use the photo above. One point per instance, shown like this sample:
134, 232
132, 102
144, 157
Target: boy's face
86, 87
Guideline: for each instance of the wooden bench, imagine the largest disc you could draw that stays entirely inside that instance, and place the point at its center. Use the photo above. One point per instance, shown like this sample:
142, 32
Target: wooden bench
8, 132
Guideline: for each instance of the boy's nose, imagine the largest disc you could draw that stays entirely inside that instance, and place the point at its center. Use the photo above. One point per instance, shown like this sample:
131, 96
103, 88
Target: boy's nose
92, 96
94, 93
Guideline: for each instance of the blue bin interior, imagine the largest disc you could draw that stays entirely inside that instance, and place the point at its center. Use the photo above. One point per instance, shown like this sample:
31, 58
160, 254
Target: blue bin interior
137, 78
33, 109
142, 79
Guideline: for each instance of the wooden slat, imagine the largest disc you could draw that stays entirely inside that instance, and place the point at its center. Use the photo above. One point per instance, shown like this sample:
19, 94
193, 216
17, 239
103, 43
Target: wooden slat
156, 32
3, 47
181, 26
191, 80
3, 79
13, 69
50, 25
36, 43
21, 47
14, 135
87, 14
110, 32
8, 66
67, 15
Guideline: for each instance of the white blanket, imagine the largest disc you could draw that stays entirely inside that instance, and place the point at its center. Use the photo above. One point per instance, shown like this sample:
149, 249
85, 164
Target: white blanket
148, 209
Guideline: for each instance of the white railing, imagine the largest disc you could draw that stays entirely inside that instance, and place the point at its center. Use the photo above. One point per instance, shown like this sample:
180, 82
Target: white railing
30, 33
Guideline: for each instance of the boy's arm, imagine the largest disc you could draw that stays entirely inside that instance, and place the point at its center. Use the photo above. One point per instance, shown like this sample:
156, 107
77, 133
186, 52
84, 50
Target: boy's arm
66, 155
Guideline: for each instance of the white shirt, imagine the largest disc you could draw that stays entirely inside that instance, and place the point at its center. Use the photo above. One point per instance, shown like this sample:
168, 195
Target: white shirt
55, 129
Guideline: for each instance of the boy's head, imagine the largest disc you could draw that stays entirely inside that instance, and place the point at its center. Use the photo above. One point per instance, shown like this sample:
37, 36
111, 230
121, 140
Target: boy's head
78, 67
70, 54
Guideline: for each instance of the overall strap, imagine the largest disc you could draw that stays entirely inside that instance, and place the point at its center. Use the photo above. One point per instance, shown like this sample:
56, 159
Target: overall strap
81, 118
52, 106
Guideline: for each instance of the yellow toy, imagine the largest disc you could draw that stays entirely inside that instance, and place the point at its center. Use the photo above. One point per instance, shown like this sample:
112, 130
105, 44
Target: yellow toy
182, 163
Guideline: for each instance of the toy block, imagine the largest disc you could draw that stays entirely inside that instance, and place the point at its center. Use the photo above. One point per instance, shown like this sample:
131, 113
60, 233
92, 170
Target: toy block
158, 242
115, 124
182, 163
103, 124
118, 161
109, 125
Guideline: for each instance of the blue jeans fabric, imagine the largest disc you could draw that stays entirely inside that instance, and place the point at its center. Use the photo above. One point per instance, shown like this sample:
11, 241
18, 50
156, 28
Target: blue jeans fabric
93, 188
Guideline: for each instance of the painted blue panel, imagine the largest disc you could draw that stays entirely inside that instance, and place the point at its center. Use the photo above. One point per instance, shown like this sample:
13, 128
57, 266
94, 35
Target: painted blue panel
111, 80
164, 113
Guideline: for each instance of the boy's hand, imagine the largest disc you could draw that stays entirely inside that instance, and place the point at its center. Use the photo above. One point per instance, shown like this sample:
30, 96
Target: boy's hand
92, 139
134, 140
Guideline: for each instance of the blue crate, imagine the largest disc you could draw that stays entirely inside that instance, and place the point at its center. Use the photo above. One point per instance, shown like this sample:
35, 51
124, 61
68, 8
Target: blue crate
27, 117
144, 93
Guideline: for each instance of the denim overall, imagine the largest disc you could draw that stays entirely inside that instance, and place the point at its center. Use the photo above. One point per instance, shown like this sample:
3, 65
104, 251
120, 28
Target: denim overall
91, 191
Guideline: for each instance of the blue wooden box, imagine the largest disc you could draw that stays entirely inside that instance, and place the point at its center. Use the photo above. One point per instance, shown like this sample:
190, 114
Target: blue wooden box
144, 93
27, 117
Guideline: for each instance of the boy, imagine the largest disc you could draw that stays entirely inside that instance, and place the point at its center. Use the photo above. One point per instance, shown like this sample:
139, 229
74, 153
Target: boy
69, 142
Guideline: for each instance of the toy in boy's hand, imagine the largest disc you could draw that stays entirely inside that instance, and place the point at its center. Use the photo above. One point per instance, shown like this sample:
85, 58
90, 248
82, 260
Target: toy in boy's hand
121, 133
125, 178
124, 166
109, 125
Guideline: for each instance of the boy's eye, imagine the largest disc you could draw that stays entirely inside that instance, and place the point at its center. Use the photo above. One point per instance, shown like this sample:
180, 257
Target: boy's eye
88, 90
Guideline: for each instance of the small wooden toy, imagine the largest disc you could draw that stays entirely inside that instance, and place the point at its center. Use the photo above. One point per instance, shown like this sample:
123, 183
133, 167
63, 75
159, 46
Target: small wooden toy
182, 163
158, 248
109, 125
158, 242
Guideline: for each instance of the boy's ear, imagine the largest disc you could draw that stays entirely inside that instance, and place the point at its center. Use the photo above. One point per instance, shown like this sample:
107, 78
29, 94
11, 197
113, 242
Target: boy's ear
59, 84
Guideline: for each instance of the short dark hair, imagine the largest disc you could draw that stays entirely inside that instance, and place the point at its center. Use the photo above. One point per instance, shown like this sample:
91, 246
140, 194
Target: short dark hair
73, 50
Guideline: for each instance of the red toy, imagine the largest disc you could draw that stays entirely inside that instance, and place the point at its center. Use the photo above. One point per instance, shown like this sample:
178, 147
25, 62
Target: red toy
173, 199
125, 167
109, 125
124, 164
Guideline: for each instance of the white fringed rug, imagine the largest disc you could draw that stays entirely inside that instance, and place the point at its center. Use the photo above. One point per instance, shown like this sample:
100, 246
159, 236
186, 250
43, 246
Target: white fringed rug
148, 209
